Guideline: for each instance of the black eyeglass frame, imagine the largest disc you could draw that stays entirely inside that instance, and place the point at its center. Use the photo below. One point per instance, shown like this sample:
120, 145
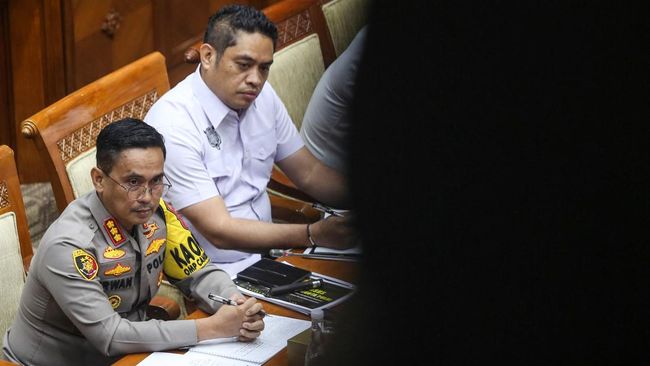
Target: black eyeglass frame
141, 189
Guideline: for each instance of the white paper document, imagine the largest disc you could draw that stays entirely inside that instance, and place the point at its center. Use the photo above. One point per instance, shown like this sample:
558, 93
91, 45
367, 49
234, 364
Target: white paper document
190, 359
277, 330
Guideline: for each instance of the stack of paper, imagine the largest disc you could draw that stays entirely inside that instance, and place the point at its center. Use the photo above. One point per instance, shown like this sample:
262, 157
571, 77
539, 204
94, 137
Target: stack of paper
231, 352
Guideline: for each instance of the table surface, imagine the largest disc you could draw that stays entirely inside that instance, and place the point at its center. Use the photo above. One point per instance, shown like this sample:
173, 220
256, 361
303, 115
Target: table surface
347, 271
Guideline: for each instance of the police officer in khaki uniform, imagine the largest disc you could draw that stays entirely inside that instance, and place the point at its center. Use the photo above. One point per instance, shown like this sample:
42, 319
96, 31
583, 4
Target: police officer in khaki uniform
102, 261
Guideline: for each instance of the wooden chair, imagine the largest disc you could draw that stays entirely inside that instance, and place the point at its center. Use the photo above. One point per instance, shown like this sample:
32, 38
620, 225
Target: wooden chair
15, 245
66, 131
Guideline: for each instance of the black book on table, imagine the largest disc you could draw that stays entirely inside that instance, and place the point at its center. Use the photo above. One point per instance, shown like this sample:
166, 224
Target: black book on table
270, 273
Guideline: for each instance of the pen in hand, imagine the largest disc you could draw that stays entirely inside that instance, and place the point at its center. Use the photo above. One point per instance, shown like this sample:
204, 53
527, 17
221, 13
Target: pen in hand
326, 209
225, 301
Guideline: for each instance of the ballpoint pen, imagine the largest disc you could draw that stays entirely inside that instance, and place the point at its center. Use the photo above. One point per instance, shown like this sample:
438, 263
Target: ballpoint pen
276, 253
225, 301
326, 209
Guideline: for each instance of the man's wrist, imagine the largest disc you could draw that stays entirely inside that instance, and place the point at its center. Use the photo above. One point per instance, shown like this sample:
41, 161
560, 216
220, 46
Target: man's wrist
310, 240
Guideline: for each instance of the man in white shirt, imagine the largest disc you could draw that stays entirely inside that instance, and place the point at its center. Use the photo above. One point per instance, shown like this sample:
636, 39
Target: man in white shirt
224, 128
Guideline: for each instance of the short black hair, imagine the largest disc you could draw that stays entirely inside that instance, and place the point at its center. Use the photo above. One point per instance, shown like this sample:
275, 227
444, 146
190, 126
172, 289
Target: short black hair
127, 133
224, 24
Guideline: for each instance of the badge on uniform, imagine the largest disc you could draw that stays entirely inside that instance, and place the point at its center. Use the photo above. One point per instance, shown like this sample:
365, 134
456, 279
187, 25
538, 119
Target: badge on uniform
149, 229
85, 263
115, 301
154, 246
213, 137
114, 232
112, 253
118, 270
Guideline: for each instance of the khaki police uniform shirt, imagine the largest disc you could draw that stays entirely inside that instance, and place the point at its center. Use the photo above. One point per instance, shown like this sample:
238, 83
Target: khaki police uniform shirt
90, 281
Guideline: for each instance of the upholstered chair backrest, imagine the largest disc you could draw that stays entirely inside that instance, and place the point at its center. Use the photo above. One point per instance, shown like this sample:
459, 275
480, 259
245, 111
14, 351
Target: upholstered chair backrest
300, 60
344, 19
303, 51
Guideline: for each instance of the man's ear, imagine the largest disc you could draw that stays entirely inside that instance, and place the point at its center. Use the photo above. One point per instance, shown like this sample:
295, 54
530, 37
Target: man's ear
98, 179
208, 55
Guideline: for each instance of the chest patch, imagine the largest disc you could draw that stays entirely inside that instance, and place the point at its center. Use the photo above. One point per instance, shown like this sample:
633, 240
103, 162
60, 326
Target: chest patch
149, 229
112, 253
85, 263
118, 270
154, 246
114, 232
115, 301
213, 137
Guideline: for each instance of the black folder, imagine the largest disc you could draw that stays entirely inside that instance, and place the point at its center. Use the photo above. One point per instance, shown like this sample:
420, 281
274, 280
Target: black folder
270, 273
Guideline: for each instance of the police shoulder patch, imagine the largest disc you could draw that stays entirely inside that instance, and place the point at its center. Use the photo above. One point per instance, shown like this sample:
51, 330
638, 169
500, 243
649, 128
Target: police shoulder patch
85, 263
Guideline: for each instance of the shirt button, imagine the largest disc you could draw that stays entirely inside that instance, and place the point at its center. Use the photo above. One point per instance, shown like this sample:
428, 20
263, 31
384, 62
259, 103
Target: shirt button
91, 226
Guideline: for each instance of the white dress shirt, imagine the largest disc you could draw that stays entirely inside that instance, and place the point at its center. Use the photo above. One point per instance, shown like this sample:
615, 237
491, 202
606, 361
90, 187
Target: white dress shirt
213, 151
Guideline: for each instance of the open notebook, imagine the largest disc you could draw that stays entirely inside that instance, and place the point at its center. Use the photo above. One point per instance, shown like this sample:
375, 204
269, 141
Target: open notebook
277, 330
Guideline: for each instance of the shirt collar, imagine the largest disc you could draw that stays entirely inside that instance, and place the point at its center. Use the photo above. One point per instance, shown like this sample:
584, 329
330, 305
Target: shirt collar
212, 106
113, 232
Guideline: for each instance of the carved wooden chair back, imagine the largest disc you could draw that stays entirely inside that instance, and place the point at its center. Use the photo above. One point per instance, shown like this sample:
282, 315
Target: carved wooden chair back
65, 132
15, 244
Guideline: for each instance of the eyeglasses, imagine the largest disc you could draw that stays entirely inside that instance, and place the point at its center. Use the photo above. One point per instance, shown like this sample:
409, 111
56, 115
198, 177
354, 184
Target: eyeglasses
137, 191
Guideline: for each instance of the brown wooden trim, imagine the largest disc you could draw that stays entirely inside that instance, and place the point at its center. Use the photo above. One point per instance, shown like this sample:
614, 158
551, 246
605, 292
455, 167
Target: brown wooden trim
67, 15
53, 62
325, 38
14, 202
285, 9
26, 17
7, 134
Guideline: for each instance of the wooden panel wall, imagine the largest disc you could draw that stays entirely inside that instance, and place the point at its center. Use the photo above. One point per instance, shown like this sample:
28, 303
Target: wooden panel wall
49, 48
7, 136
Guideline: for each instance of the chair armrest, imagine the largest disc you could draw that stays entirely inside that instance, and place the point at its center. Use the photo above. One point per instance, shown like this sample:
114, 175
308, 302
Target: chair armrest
281, 184
288, 210
288, 203
163, 308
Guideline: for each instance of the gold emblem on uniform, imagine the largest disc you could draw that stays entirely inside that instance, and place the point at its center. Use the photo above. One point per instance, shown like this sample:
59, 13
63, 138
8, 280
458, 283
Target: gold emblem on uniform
115, 301
112, 253
85, 263
118, 270
149, 229
154, 246
114, 232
